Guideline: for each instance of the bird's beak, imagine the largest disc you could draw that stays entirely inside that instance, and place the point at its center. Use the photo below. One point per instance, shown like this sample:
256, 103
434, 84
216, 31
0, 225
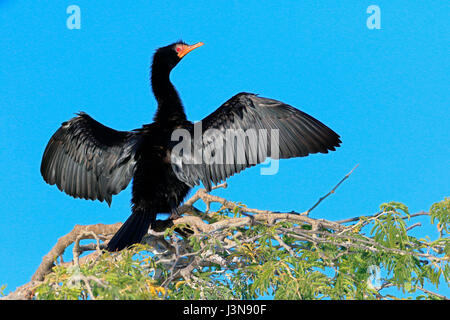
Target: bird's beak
186, 49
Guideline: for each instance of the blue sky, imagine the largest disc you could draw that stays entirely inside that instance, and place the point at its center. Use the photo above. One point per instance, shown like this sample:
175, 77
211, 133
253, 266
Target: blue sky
386, 92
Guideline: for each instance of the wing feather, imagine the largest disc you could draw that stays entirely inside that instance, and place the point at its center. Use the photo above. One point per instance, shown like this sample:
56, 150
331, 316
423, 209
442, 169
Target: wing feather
255, 118
88, 160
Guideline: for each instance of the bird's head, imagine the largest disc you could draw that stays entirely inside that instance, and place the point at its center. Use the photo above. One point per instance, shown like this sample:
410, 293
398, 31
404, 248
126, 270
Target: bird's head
169, 56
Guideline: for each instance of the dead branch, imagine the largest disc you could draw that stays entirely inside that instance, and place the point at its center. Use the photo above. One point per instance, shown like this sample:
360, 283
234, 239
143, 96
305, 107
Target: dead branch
331, 191
65, 241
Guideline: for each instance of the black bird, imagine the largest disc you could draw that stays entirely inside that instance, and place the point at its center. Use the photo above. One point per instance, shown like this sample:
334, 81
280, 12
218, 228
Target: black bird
86, 159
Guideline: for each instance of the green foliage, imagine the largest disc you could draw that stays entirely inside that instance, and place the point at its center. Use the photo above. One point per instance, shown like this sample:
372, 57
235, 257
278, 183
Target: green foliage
112, 276
2, 289
439, 211
285, 259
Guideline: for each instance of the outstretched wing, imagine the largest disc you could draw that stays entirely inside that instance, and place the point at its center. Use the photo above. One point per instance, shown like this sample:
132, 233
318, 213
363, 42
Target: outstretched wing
86, 159
243, 132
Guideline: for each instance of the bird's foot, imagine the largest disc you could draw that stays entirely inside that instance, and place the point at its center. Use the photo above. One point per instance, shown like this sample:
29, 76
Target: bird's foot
174, 214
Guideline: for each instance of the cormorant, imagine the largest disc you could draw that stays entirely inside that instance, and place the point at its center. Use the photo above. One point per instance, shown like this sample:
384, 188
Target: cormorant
86, 159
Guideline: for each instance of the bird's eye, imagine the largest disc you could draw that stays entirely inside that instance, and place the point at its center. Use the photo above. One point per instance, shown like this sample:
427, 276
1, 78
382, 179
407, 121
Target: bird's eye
178, 49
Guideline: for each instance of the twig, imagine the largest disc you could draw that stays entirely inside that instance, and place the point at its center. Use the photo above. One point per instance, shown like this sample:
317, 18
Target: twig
284, 245
76, 247
432, 293
82, 278
421, 213
358, 218
332, 191
418, 224
171, 272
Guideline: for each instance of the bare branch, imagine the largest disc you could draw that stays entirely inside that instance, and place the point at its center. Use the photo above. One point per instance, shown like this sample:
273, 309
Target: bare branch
331, 192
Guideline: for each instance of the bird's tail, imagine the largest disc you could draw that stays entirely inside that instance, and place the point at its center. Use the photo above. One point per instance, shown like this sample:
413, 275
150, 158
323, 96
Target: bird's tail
132, 231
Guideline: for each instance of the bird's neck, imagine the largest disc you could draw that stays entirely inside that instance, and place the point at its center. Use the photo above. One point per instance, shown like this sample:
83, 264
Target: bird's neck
170, 107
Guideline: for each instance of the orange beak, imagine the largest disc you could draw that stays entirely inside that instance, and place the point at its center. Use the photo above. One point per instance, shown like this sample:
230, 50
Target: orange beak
186, 49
